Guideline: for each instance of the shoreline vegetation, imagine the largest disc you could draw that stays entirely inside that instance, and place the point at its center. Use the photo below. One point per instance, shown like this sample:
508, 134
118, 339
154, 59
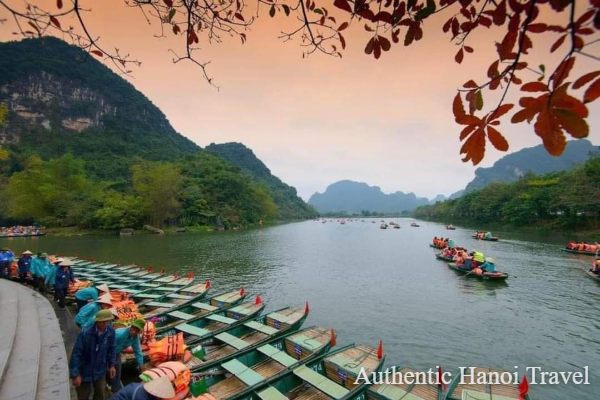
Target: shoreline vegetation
566, 202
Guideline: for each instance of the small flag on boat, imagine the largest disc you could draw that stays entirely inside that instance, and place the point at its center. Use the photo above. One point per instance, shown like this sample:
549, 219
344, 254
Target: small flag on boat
306, 308
242, 292
523, 388
440, 379
150, 269
207, 284
333, 340
190, 275
258, 300
380, 350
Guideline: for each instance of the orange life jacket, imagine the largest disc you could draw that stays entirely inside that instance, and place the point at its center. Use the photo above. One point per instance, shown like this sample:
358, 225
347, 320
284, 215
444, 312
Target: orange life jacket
170, 348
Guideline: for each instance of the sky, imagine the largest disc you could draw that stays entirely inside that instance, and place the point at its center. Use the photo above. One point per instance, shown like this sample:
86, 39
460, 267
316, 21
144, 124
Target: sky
316, 120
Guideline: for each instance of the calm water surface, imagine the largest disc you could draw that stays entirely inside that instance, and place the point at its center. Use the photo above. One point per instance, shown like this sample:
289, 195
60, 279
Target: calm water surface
370, 283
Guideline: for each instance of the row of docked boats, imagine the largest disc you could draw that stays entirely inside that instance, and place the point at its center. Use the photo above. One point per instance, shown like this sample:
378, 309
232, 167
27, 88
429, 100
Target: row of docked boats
237, 353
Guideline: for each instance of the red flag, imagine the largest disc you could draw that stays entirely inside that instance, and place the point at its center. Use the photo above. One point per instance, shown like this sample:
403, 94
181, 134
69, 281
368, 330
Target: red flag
207, 284
523, 388
190, 275
150, 269
162, 270
258, 300
306, 308
333, 340
242, 292
380, 350
440, 377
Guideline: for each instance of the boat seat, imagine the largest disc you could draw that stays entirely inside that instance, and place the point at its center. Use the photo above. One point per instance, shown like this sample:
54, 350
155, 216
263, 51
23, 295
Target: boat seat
257, 326
148, 295
197, 289
221, 318
392, 392
281, 317
180, 296
116, 286
204, 306
181, 315
321, 382
167, 289
232, 341
271, 393
346, 363
243, 373
306, 342
278, 355
160, 304
131, 291
192, 330
473, 395
149, 285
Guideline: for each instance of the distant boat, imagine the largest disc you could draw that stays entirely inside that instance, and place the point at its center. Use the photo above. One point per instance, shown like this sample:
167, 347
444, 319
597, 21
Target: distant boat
383, 226
450, 227
415, 225
396, 226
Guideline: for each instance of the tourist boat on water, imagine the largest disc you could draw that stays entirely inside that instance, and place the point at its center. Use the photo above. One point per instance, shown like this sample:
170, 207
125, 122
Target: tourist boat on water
331, 376
488, 276
468, 390
450, 227
236, 376
248, 335
582, 252
415, 225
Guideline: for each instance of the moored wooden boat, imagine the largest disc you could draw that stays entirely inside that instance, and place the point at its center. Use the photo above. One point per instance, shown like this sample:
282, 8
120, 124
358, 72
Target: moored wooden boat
415, 225
264, 363
442, 257
405, 391
174, 301
332, 376
196, 310
167, 285
582, 252
248, 335
491, 276
473, 391
450, 227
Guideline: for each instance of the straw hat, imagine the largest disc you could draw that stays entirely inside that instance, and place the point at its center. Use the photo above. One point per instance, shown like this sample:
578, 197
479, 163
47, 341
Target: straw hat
58, 261
103, 287
27, 253
104, 315
105, 299
66, 263
160, 387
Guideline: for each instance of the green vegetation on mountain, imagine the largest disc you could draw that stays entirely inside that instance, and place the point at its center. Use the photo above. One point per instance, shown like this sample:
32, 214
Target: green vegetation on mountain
566, 199
82, 147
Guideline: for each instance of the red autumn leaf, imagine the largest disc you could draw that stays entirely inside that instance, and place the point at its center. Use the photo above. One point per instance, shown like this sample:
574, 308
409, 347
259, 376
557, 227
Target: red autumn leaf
561, 100
562, 71
467, 131
485, 21
239, 16
468, 119
585, 17
572, 123
342, 41
55, 22
343, 26
505, 48
500, 13
470, 84
593, 92
457, 107
585, 79
534, 87
59, 4
369, 46
384, 16
497, 139
410, 35
169, 3
551, 133
385, 43
176, 29
97, 53
500, 111
537, 28
468, 49
459, 56
558, 43
376, 49
474, 147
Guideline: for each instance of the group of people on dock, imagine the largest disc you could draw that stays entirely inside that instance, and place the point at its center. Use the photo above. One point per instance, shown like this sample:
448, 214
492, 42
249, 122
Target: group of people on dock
95, 362
20, 231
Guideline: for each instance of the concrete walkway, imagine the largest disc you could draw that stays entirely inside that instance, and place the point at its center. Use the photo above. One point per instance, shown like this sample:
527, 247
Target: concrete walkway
33, 360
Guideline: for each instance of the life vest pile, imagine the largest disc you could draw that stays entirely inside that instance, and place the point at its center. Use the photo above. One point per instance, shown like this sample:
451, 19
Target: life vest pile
149, 333
13, 270
170, 348
178, 374
75, 286
127, 311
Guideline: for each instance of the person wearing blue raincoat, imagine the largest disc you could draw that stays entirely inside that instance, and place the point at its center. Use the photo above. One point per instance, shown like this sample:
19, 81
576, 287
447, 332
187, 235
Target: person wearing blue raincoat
64, 276
39, 269
86, 316
6, 259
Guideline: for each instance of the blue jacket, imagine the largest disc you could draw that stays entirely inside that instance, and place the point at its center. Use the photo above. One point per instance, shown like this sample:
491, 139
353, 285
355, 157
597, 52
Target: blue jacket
88, 293
93, 354
124, 340
86, 316
133, 391
39, 266
24, 265
51, 274
63, 277
6, 256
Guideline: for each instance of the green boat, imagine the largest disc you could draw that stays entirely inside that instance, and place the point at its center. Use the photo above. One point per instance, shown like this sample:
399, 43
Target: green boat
236, 376
442, 257
246, 335
582, 252
167, 285
486, 276
174, 301
332, 376
405, 391
593, 275
489, 239
206, 327
472, 391
168, 320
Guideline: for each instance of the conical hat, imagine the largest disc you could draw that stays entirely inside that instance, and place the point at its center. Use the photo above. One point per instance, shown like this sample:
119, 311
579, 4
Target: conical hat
160, 387
103, 287
105, 298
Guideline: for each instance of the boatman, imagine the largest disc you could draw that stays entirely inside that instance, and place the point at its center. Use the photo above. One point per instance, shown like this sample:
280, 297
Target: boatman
126, 337
51, 274
489, 265
6, 260
39, 268
89, 294
159, 388
24, 265
93, 356
63, 278
86, 316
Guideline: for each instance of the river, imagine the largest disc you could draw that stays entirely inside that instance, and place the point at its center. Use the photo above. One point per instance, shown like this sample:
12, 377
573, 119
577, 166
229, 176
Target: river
372, 284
